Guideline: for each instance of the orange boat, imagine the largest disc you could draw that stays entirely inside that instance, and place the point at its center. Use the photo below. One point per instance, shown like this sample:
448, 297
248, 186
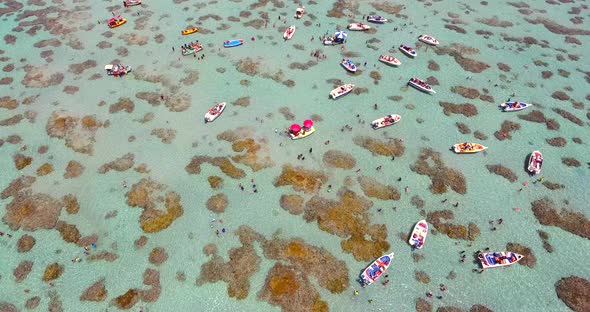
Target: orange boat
189, 31
117, 23
468, 148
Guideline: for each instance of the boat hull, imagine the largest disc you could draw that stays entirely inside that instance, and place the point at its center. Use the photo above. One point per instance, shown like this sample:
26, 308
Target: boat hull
419, 87
535, 163
341, 91
349, 66
514, 106
411, 53
358, 26
376, 269
233, 43
214, 112
132, 2
418, 235
428, 40
498, 259
189, 31
303, 133
460, 148
289, 32
118, 23
385, 121
390, 60
376, 19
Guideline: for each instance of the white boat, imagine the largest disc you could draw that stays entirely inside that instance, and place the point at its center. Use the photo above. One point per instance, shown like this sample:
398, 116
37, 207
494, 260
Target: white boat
385, 121
117, 70
358, 26
332, 41
420, 85
428, 39
289, 32
419, 234
389, 60
535, 162
498, 259
214, 112
132, 2
514, 106
468, 148
349, 65
376, 269
304, 132
299, 12
341, 91
376, 19
408, 51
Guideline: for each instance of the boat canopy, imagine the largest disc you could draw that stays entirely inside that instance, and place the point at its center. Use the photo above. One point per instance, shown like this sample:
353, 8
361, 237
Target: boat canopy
108, 67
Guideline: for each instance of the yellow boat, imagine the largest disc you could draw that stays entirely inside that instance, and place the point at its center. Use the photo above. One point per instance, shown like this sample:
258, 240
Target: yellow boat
468, 148
302, 133
189, 31
118, 23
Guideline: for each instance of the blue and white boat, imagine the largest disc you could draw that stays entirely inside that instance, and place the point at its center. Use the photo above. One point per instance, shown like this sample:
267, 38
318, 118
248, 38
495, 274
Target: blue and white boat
376, 19
498, 259
233, 43
514, 106
407, 50
349, 65
376, 269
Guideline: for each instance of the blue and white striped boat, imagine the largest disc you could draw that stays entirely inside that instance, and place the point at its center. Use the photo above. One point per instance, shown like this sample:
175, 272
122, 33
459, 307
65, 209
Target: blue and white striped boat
376, 269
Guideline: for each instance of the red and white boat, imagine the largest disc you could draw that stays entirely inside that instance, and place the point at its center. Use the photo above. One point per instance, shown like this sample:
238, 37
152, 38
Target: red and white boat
132, 2
420, 85
535, 162
514, 106
389, 60
289, 32
419, 234
498, 259
349, 65
428, 39
376, 269
385, 121
299, 12
214, 112
358, 26
341, 91
408, 51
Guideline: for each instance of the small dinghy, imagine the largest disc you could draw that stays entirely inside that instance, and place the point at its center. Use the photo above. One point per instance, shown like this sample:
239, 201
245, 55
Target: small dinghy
189, 31
428, 39
113, 23
514, 106
408, 51
332, 41
420, 85
132, 2
419, 234
385, 121
535, 162
498, 259
349, 65
468, 148
341, 91
389, 60
358, 26
376, 269
297, 132
214, 112
299, 12
117, 70
376, 19
233, 43
289, 32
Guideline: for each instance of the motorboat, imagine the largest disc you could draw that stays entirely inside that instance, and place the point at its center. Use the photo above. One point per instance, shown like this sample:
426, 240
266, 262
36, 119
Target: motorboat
376, 269
420, 85
299, 12
468, 148
113, 23
341, 91
214, 112
117, 70
289, 32
376, 19
428, 39
129, 3
408, 51
358, 26
386, 121
514, 106
233, 43
189, 31
389, 60
418, 235
348, 65
535, 163
498, 259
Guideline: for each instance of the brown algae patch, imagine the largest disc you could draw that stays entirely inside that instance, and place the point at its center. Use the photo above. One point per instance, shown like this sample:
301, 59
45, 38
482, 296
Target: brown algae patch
293, 203
22, 270
74, 169
21, 161
569, 116
215, 182
71, 204
373, 188
570, 162
25, 243
422, 277
148, 195
243, 101
96, 292
286, 112
224, 163
32, 212
568, 220
389, 147
120, 164
45, 169
301, 179
539, 117
255, 152
123, 104
557, 141
348, 218
529, 259
467, 109
166, 135
502, 171
452, 230
505, 129
52, 272
217, 203
339, 159
158, 256
430, 163
574, 291
78, 132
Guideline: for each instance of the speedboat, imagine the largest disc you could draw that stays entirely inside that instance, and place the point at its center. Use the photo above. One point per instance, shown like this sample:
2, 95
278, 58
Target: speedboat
299, 12
189, 31
214, 112
420, 85
233, 43
535, 162
468, 148
419, 234
385, 121
333, 41
498, 259
389, 60
304, 132
358, 26
428, 39
376, 269
349, 65
113, 23
289, 32
408, 51
132, 2
514, 106
117, 70
341, 91
376, 19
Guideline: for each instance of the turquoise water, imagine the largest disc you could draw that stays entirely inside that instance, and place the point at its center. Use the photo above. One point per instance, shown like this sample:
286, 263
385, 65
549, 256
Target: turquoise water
488, 196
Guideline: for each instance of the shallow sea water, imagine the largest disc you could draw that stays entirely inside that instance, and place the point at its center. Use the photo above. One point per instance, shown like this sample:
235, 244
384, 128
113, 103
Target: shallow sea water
423, 125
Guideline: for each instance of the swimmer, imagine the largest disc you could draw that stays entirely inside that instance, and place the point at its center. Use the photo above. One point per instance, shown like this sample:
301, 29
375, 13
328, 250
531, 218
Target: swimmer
356, 292
407, 189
